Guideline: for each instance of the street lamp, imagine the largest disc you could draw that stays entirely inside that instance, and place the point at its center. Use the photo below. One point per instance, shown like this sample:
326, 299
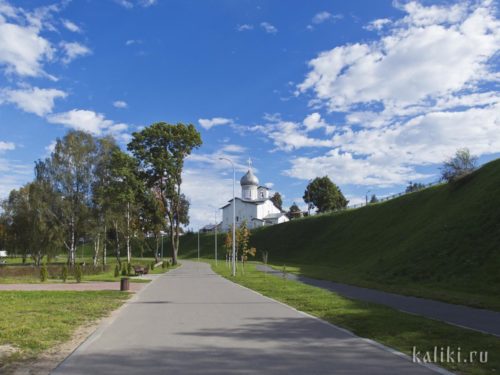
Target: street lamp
215, 238
366, 198
234, 219
198, 244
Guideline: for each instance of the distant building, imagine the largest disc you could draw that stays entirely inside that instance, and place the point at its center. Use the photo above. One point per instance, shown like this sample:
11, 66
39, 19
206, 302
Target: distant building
255, 206
210, 228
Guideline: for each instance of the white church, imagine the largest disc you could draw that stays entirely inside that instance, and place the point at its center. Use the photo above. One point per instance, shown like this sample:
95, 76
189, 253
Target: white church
255, 206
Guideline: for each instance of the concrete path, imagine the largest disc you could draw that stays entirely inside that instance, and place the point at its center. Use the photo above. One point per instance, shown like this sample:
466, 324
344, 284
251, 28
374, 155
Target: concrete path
484, 321
192, 321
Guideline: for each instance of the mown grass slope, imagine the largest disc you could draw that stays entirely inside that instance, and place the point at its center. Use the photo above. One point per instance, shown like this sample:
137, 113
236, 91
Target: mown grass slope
442, 242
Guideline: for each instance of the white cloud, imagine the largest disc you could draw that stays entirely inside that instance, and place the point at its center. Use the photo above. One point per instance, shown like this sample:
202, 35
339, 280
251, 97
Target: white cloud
72, 50
207, 191
215, 121
120, 104
49, 149
7, 146
321, 17
32, 99
244, 27
378, 24
129, 4
22, 50
129, 42
418, 59
71, 26
269, 185
268, 28
237, 149
424, 88
89, 121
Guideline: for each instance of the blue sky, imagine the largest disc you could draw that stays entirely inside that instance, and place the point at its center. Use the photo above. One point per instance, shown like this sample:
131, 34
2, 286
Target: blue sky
373, 94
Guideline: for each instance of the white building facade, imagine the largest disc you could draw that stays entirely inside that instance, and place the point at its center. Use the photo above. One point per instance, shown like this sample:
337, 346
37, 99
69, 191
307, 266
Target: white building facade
254, 207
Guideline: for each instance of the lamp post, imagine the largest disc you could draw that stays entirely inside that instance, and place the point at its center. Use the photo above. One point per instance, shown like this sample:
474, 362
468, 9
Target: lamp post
215, 238
233, 260
198, 245
366, 198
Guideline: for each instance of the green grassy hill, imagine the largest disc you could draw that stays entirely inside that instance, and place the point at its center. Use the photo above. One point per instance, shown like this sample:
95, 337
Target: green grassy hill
442, 242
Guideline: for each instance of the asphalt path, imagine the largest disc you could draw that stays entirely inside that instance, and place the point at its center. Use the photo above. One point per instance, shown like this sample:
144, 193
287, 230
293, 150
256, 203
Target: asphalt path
485, 321
192, 321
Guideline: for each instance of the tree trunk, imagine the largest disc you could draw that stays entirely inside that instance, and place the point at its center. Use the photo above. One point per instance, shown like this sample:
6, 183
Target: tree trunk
117, 244
105, 248
129, 252
72, 250
96, 250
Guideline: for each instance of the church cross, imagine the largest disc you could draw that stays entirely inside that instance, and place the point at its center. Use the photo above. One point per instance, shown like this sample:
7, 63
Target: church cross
249, 163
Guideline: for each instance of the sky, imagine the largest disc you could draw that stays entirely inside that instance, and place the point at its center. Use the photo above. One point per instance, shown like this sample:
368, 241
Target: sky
373, 94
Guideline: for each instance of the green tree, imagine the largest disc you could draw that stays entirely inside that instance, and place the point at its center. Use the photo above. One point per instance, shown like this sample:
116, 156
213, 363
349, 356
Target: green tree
374, 199
70, 171
294, 212
414, 186
324, 195
161, 150
277, 200
459, 165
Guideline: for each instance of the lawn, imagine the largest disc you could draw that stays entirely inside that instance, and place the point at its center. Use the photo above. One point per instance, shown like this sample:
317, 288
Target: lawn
36, 321
385, 325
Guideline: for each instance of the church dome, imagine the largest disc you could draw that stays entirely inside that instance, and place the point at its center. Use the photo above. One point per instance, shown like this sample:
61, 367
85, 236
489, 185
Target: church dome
249, 179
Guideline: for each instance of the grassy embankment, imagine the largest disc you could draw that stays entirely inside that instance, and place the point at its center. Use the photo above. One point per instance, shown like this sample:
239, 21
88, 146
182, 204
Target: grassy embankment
32, 322
441, 243
382, 324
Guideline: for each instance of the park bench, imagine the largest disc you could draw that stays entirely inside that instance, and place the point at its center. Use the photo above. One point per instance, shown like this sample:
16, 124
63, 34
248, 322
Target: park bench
141, 270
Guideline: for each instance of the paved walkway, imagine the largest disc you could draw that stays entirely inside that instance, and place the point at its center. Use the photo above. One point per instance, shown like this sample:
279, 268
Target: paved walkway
134, 287
485, 321
192, 321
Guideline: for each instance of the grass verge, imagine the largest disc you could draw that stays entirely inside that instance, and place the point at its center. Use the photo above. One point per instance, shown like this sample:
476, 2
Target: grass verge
390, 327
32, 322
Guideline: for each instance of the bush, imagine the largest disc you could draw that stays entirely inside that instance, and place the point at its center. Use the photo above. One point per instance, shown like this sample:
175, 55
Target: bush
458, 166
152, 266
78, 273
124, 270
44, 274
117, 270
64, 273
129, 269
164, 264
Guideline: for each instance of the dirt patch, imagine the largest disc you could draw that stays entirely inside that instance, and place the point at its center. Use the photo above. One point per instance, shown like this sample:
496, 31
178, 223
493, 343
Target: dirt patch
7, 351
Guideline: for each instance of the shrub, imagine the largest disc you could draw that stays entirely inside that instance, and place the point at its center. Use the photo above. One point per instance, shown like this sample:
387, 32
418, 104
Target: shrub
64, 273
164, 264
117, 270
459, 165
152, 266
78, 273
44, 274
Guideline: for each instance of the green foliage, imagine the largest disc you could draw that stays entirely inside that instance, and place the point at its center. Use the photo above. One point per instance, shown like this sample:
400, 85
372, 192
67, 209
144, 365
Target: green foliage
78, 273
277, 200
117, 270
161, 150
64, 273
374, 199
414, 186
152, 266
164, 264
323, 194
294, 212
460, 165
44, 274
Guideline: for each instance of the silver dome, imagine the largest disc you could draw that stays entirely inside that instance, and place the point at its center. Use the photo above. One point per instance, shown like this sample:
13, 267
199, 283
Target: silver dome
249, 179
